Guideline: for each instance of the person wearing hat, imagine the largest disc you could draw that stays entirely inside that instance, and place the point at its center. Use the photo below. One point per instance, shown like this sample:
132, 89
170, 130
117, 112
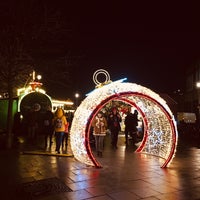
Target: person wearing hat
99, 131
114, 120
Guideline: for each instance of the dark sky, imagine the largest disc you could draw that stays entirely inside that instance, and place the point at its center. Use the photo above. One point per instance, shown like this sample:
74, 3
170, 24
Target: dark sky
150, 43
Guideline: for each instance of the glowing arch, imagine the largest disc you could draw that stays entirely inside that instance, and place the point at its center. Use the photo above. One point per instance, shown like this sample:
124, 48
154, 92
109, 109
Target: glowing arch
160, 132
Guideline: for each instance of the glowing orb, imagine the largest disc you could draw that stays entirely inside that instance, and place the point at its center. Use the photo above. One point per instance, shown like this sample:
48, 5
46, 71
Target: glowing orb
160, 132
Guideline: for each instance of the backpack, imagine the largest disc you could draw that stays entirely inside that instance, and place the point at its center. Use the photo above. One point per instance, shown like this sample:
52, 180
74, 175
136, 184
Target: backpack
58, 123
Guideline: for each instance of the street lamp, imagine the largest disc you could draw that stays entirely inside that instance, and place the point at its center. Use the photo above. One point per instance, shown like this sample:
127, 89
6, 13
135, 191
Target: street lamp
76, 99
198, 100
39, 77
198, 84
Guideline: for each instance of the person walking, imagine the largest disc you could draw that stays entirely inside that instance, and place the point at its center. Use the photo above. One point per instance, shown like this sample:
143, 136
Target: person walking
33, 123
131, 122
48, 127
114, 120
99, 131
59, 122
65, 136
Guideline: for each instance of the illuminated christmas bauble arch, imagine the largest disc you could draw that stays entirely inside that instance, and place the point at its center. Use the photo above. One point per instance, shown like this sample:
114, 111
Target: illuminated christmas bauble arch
160, 132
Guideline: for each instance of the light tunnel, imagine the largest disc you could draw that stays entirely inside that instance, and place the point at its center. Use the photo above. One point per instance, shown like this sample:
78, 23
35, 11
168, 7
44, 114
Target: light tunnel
160, 132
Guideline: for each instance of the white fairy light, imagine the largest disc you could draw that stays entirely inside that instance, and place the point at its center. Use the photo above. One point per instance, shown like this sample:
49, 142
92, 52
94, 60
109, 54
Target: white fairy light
160, 128
101, 71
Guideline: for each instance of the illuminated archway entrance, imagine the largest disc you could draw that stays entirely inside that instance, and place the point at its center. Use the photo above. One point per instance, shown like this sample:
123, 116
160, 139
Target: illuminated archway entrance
160, 133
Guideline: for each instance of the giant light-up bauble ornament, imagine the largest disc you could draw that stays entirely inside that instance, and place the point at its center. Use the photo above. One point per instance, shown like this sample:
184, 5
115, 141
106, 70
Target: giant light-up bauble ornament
160, 132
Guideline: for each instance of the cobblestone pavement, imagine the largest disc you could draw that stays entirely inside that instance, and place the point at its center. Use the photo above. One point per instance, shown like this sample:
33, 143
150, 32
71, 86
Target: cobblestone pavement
125, 175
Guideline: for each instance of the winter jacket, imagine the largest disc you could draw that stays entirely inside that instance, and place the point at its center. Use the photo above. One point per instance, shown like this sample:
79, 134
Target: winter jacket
59, 116
114, 122
99, 124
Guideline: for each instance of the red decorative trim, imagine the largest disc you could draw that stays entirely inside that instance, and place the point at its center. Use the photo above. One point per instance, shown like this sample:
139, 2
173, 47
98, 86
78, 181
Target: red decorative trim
119, 97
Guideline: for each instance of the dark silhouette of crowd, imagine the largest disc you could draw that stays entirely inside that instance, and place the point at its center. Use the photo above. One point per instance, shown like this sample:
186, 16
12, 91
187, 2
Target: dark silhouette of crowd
54, 127
39, 123
48, 128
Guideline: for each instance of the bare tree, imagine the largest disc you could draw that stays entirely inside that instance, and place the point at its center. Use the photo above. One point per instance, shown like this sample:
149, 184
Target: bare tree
15, 66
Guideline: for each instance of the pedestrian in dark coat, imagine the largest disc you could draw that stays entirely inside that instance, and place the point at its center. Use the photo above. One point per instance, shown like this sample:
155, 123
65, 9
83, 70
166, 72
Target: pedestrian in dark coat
114, 120
131, 123
48, 127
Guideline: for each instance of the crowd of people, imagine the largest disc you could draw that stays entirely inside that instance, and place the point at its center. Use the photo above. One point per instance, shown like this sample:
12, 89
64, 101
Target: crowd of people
57, 124
111, 122
48, 124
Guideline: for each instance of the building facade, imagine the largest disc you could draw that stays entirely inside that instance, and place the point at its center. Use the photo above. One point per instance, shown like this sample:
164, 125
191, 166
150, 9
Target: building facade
192, 91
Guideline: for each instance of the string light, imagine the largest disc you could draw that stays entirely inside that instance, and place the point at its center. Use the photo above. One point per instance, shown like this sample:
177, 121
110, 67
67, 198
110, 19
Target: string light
160, 132
105, 73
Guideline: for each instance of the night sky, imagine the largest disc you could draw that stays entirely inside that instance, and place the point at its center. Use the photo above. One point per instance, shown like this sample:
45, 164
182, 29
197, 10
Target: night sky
151, 44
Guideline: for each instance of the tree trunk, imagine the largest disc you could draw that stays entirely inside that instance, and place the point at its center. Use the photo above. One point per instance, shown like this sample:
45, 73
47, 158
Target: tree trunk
9, 119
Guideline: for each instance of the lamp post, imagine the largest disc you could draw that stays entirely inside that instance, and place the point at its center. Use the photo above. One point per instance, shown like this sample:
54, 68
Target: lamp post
198, 102
76, 99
